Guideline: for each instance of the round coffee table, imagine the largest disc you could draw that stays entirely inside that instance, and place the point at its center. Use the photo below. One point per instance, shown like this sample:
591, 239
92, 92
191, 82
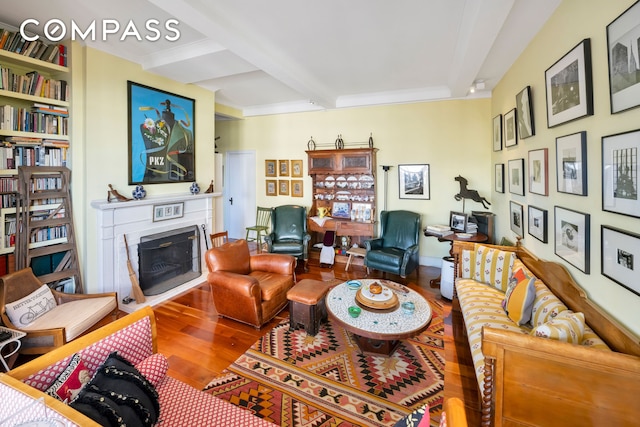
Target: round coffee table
379, 331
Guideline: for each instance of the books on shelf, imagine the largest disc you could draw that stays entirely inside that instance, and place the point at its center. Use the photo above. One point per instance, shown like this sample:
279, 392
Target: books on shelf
12, 41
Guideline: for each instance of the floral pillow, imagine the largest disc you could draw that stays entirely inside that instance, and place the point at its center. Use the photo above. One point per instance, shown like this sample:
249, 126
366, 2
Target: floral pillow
488, 265
566, 326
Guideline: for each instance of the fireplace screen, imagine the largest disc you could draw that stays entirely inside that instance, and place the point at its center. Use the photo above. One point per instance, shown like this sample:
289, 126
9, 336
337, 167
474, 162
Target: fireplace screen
168, 259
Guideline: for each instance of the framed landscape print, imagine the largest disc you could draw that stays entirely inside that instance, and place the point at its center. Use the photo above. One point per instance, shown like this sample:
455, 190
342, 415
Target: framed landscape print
283, 187
538, 223
621, 257
569, 86
516, 176
297, 187
572, 235
497, 133
296, 168
414, 181
524, 113
283, 167
499, 177
272, 187
538, 172
270, 168
516, 219
622, 48
152, 143
571, 163
510, 130
620, 173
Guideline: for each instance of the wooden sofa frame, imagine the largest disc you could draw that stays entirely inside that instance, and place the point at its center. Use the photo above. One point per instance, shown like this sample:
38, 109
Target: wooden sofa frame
532, 381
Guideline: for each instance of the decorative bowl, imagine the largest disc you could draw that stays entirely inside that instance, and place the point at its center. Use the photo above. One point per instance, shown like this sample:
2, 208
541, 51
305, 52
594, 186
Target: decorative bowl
375, 288
408, 307
354, 285
354, 311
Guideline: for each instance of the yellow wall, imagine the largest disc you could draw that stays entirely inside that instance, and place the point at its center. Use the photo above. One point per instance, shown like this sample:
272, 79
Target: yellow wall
453, 137
573, 21
100, 139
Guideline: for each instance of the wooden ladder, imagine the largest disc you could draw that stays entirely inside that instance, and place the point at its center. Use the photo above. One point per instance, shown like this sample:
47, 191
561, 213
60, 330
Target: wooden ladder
45, 224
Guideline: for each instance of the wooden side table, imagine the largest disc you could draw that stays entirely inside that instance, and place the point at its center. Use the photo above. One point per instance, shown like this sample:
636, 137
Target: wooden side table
11, 356
475, 238
361, 252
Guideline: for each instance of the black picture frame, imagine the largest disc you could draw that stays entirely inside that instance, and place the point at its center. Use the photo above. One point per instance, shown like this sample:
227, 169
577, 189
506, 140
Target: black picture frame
571, 163
161, 136
516, 176
458, 221
572, 237
524, 114
569, 86
538, 223
624, 83
497, 133
510, 129
620, 257
413, 181
539, 171
620, 173
499, 177
516, 218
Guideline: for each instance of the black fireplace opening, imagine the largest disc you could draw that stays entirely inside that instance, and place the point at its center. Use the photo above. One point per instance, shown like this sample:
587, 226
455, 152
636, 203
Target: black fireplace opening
168, 259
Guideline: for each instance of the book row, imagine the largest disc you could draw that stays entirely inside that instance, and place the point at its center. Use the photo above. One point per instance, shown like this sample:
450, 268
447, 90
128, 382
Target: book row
13, 41
33, 83
13, 157
21, 119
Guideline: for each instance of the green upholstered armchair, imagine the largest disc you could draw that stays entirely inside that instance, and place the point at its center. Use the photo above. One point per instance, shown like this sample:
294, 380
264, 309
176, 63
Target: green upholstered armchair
396, 250
289, 232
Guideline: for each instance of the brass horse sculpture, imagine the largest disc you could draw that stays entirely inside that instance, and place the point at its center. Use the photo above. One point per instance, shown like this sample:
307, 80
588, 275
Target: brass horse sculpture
466, 193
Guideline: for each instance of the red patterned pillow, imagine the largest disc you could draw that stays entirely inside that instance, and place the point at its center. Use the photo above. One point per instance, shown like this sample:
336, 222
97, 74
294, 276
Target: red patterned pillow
70, 381
154, 368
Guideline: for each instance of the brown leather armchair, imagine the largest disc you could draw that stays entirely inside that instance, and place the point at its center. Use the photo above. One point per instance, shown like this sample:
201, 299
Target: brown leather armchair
249, 288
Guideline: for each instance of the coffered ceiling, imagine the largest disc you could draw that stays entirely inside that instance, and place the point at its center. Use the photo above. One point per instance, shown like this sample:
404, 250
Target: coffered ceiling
266, 57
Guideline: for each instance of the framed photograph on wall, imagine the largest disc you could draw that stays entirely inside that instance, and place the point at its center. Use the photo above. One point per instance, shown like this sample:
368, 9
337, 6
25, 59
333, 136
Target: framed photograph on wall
270, 168
499, 177
572, 237
152, 144
297, 187
296, 168
283, 167
569, 86
571, 163
621, 257
458, 221
414, 181
516, 218
510, 129
539, 171
341, 210
272, 187
524, 113
283, 187
620, 173
538, 223
622, 48
516, 176
497, 133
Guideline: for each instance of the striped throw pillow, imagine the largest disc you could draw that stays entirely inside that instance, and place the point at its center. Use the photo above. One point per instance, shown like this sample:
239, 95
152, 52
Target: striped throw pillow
566, 326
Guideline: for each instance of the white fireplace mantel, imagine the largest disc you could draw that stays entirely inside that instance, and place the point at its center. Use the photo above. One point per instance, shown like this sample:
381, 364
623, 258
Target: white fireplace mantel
135, 219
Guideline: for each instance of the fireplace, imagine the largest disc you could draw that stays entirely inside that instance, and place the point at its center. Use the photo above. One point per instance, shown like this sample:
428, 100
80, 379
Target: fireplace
168, 259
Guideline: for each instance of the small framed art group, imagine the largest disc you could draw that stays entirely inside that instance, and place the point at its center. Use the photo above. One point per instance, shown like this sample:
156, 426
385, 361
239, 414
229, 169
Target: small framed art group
283, 169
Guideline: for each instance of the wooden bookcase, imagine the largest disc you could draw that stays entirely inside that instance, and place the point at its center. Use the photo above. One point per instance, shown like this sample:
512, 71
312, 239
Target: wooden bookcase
344, 183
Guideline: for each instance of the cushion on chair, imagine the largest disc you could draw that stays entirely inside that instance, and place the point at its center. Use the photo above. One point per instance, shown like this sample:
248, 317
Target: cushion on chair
26, 310
75, 316
389, 257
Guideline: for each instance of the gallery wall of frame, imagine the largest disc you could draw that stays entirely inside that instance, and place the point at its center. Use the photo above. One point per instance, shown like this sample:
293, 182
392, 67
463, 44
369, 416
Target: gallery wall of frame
283, 170
546, 213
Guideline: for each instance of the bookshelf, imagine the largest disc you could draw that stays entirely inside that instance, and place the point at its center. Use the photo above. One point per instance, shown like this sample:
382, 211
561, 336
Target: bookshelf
34, 131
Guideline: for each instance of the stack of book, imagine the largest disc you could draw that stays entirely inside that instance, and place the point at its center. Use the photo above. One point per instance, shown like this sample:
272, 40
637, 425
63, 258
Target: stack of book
472, 228
439, 230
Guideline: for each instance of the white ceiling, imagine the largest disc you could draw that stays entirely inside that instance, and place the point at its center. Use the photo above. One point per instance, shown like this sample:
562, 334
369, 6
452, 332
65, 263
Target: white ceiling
276, 56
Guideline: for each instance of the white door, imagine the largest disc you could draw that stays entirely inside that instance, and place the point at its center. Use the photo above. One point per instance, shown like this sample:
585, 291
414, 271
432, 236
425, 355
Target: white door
239, 193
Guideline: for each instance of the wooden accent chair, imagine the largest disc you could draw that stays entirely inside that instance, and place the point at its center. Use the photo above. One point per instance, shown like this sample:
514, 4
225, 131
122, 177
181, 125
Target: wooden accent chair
263, 220
249, 288
219, 239
49, 319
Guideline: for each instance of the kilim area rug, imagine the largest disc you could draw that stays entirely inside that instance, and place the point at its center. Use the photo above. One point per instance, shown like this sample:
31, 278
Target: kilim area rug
293, 379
